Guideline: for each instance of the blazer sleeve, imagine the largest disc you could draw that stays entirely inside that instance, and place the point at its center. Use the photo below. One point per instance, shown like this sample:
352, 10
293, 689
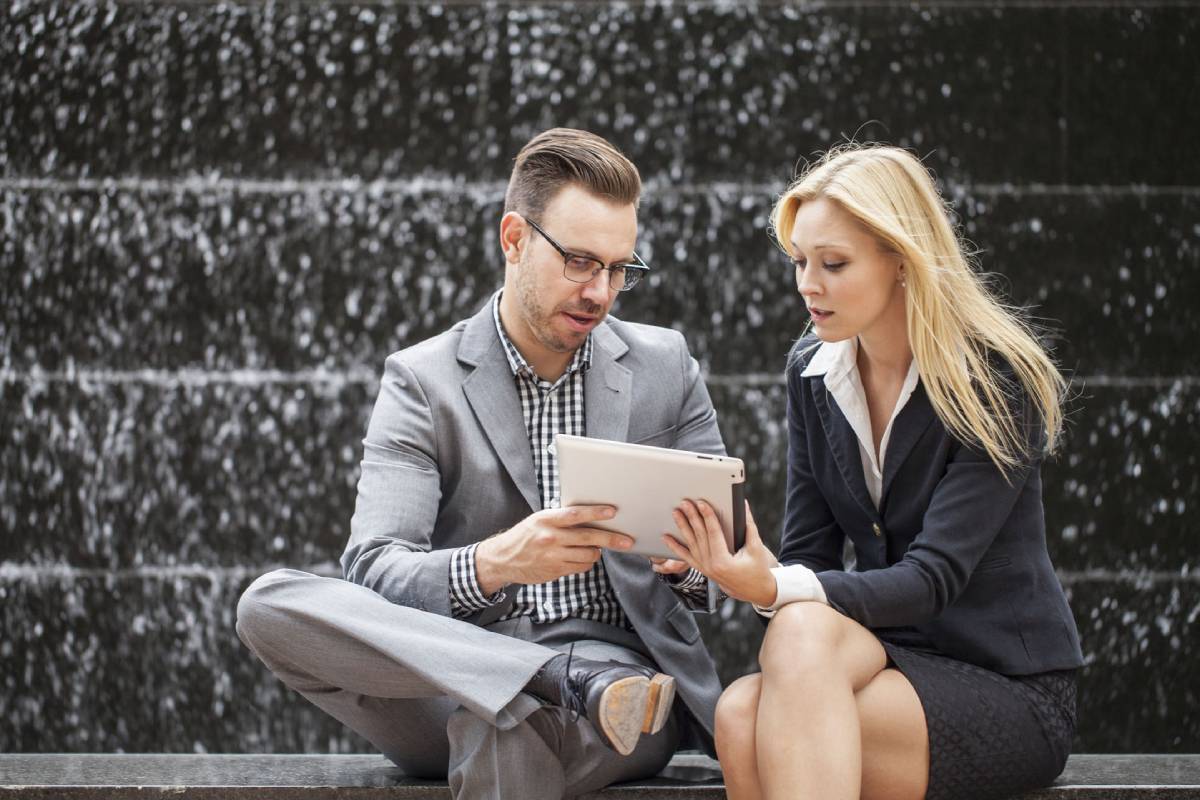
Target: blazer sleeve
969, 505
811, 535
398, 494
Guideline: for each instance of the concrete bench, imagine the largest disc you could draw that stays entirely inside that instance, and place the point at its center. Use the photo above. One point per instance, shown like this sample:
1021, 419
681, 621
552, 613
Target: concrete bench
369, 777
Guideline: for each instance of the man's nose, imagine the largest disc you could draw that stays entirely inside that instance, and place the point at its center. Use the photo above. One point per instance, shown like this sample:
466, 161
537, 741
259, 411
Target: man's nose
597, 289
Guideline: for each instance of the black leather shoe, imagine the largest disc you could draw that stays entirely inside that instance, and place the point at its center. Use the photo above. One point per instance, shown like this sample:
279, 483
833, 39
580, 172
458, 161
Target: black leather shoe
622, 701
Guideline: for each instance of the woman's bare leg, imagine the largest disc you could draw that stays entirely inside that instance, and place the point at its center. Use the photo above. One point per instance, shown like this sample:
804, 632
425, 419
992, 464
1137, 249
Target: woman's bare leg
895, 741
737, 718
809, 740
892, 755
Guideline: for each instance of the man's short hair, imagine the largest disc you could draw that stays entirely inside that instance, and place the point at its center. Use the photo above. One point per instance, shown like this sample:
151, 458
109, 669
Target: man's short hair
562, 157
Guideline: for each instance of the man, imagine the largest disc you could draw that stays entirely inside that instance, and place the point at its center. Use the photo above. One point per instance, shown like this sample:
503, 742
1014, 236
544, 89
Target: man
482, 633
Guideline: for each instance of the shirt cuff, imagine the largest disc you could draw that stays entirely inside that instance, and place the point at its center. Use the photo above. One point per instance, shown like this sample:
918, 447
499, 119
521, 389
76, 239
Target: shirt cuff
466, 597
682, 581
691, 586
793, 583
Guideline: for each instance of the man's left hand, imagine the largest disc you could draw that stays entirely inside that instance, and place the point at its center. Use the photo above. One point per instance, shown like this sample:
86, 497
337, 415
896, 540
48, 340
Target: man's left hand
668, 566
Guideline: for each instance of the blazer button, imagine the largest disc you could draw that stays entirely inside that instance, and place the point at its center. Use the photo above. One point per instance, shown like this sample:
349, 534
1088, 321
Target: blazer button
875, 527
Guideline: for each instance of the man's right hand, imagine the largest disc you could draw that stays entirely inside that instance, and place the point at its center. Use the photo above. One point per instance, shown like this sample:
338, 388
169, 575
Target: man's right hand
545, 546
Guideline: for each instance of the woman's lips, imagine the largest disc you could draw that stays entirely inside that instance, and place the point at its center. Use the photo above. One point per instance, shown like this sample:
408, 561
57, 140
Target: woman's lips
818, 315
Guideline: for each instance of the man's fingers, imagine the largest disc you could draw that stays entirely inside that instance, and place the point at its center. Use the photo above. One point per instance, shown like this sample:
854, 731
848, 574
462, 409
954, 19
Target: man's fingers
581, 555
594, 537
668, 566
569, 516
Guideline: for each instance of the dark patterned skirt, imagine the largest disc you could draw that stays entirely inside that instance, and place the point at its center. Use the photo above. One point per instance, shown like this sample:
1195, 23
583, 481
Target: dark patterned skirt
990, 735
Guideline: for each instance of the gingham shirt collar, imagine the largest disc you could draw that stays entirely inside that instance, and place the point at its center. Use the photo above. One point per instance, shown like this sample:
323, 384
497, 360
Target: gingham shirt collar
581, 361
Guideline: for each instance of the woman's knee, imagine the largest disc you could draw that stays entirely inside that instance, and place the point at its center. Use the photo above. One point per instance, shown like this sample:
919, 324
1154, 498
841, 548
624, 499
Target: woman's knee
801, 636
737, 714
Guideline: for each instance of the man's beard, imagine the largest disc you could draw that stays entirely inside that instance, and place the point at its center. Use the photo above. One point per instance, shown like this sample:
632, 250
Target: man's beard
538, 319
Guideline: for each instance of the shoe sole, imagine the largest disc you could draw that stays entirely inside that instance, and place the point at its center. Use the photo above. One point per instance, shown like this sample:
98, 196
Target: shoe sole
633, 706
658, 706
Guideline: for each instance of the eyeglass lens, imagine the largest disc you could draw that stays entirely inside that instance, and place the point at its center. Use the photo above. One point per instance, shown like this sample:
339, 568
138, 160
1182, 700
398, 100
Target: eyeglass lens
581, 270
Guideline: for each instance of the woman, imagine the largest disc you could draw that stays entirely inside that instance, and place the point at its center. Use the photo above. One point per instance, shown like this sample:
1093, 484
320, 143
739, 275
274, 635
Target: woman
918, 416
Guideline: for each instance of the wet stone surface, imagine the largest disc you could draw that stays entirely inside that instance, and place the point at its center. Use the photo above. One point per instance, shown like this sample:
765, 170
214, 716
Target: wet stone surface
338, 278
128, 662
228, 475
121, 475
692, 91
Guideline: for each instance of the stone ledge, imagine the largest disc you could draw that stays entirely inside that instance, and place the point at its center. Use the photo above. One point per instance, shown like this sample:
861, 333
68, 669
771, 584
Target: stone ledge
369, 777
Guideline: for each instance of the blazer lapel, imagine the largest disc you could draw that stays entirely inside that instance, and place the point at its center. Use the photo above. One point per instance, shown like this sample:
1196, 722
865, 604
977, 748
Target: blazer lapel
607, 388
844, 446
492, 392
910, 425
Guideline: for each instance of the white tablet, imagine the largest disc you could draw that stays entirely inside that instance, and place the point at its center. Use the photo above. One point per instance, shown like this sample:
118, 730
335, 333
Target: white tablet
646, 484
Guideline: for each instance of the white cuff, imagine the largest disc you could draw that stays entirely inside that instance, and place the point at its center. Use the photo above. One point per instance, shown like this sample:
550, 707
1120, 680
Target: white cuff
793, 584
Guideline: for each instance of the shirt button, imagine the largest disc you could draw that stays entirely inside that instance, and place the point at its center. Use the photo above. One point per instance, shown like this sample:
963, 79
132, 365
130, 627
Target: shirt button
875, 527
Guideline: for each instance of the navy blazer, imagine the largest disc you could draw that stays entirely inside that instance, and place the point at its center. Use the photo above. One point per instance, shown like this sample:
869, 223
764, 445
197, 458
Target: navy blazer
955, 551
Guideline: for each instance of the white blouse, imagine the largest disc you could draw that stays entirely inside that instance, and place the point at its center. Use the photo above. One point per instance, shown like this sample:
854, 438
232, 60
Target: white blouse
838, 363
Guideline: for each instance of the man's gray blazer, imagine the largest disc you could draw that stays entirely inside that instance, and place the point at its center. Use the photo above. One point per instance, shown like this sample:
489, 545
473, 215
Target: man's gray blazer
447, 462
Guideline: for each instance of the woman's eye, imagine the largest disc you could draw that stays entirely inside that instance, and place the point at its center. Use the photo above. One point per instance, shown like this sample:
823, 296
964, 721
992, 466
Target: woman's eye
834, 266
799, 263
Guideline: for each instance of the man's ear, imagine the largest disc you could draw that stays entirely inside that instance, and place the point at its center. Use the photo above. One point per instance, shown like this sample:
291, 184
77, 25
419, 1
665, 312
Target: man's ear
512, 236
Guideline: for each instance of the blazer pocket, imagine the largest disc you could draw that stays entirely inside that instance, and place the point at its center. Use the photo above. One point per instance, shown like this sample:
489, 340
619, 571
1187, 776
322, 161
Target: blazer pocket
995, 562
684, 623
667, 435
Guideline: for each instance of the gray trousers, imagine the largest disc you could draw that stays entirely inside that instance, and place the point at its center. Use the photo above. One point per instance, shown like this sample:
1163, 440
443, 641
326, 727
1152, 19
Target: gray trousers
440, 697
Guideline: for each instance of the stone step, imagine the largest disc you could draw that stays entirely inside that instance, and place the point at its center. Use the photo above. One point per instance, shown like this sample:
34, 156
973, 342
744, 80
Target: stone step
232, 276
691, 91
367, 777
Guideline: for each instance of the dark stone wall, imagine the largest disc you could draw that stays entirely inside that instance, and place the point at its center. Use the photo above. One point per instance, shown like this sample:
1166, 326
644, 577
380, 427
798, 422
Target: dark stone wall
217, 220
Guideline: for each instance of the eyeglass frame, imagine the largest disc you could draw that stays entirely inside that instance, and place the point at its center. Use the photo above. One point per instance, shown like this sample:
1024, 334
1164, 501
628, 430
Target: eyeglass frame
639, 267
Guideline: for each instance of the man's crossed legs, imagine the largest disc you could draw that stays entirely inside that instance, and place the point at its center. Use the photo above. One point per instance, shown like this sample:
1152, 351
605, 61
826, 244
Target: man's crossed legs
440, 697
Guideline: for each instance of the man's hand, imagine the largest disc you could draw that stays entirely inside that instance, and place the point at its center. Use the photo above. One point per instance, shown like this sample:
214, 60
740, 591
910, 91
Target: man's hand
545, 546
668, 566
745, 575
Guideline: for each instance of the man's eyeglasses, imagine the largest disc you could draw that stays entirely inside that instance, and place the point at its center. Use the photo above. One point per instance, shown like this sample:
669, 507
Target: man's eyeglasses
582, 269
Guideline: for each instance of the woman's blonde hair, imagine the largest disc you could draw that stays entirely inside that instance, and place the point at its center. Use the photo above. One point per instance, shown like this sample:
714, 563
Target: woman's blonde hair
956, 327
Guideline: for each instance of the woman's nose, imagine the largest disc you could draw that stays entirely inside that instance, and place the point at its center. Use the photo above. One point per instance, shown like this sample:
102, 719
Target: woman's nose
805, 283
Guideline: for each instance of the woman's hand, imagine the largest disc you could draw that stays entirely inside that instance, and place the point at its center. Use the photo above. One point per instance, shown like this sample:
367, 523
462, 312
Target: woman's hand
668, 566
745, 575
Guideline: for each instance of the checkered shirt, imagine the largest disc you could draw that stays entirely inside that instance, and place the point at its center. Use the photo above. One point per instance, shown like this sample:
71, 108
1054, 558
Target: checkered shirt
550, 408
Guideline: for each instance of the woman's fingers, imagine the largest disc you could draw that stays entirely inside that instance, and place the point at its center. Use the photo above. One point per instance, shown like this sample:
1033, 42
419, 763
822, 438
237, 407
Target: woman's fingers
752, 536
712, 525
681, 552
687, 534
699, 530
